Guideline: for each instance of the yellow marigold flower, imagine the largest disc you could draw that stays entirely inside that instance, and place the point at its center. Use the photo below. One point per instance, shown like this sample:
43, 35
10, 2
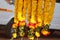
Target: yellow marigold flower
37, 34
14, 35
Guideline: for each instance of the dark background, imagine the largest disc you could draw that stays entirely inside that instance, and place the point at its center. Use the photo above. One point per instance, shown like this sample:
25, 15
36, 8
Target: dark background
58, 0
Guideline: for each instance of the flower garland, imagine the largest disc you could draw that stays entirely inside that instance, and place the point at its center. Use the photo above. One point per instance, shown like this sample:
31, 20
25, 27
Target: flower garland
15, 24
32, 21
22, 16
48, 11
39, 18
48, 14
40, 13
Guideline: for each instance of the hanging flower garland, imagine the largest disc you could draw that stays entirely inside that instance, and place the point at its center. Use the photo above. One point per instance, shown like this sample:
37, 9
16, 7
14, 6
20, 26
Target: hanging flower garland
40, 13
22, 16
39, 18
48, 15
15, 24
32, 21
